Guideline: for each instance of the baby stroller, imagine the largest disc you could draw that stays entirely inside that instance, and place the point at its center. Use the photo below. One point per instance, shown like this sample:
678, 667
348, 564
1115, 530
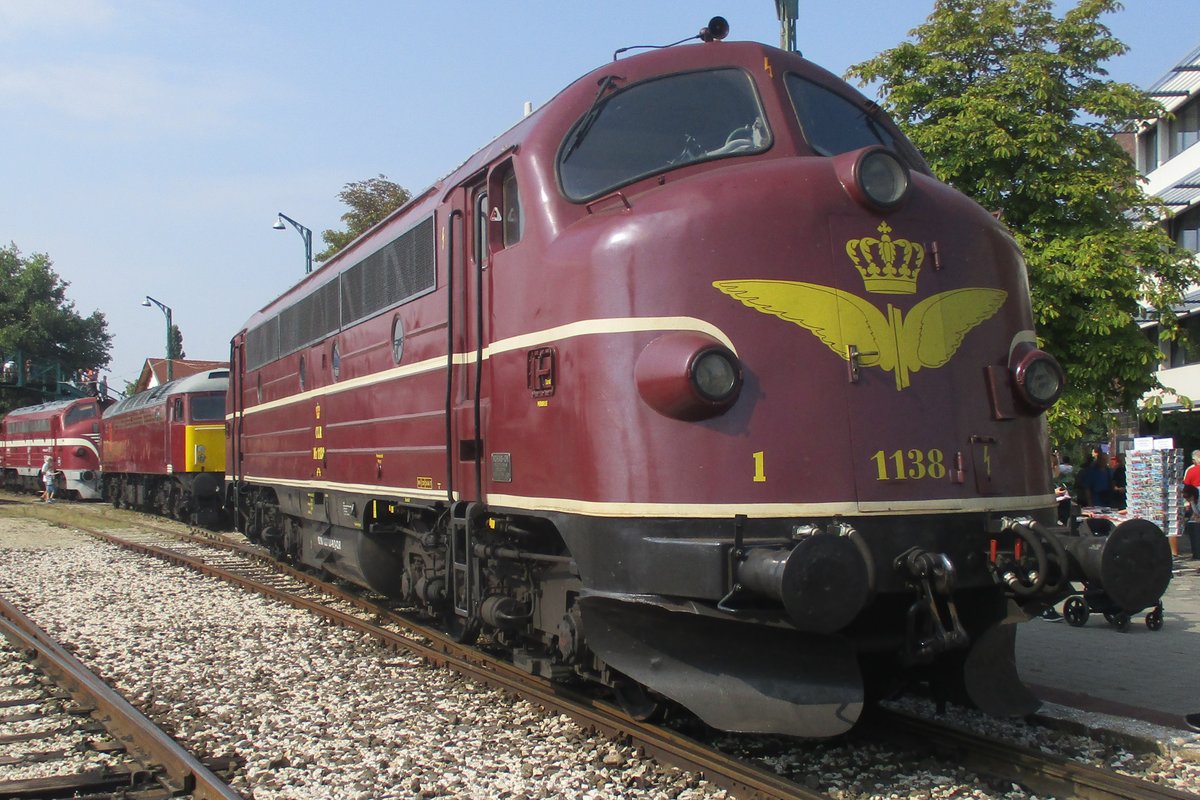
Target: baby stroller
1096, 601
1117, 601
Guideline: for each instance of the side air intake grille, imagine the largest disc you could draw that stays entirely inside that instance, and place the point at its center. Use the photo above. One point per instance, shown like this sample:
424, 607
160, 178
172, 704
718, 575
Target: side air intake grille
399, 271
262, 344
402, 270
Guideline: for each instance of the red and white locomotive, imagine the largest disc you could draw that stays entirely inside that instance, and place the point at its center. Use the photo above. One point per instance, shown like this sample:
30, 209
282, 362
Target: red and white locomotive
66, 430
164, 448
696, 383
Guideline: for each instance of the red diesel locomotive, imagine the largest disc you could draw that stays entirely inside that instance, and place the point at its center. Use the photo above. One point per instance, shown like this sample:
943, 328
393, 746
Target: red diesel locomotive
68, 431
164, 448
696, 383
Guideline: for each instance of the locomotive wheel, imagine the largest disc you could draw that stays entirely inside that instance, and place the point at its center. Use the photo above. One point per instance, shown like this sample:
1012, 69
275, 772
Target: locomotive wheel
1154, 620
1076, 612
631, 696
460, 629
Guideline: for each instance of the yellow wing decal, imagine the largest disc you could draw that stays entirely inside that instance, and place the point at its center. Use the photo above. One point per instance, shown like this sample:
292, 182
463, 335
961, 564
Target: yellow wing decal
929, 337
837, 318
934, 328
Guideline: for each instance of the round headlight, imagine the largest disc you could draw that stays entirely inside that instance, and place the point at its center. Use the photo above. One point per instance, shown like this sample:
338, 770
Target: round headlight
714, 375
883, 178
1039, 379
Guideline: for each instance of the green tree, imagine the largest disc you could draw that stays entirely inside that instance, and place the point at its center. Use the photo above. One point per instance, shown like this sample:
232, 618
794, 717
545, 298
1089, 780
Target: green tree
1011, 104
370, 202
176, 351
37, 319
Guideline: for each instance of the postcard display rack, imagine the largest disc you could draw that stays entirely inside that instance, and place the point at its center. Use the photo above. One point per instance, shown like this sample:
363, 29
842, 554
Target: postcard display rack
1152, 489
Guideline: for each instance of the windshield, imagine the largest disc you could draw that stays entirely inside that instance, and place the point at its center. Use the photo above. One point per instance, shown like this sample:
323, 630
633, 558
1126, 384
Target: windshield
208, 407
834, 124
658, 125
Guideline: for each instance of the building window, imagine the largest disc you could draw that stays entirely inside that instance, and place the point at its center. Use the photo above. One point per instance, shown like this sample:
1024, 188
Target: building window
1148, 142
1185, 128
1187, 229
1185, 348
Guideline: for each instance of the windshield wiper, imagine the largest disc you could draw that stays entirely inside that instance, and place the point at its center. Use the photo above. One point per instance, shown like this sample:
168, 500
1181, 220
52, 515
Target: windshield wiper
590, 117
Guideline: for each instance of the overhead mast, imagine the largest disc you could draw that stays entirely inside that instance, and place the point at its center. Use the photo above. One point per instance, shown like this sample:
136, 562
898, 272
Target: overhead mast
787, 11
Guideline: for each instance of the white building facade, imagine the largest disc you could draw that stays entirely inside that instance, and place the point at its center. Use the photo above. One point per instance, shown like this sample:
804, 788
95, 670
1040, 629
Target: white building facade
1168, 157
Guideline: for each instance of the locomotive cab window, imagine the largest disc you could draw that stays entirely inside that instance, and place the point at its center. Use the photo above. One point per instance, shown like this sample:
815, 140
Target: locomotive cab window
835, 124
80, 413
506, 220
208, 407
659, 125
514, 222
481, 230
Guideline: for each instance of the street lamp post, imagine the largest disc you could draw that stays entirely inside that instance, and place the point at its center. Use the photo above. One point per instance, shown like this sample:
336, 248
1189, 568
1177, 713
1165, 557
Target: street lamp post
170, 335
305, 234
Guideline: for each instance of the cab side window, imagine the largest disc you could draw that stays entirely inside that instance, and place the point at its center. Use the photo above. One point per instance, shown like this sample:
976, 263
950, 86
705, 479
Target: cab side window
514, 222
481, 222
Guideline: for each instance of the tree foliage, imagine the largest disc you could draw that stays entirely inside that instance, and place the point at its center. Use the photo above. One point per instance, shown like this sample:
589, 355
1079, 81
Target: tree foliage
37, 318
370, 202
1010, 104
176, 351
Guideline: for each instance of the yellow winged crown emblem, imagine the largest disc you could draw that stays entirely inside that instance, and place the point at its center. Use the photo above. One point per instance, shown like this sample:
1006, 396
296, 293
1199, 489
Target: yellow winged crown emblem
927, 337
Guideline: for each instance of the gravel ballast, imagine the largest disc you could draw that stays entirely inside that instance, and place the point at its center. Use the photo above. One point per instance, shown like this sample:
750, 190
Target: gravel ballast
315, 711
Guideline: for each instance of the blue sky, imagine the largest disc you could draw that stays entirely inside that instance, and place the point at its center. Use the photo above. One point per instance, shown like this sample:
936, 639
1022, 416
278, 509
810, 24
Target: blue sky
146, 145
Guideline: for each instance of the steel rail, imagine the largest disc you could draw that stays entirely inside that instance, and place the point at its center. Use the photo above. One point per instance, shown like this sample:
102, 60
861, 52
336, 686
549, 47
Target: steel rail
741, 778
184, 772
1043, 773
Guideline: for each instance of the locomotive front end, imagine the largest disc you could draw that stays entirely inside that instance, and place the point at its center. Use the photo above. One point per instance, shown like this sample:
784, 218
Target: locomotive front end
841, 480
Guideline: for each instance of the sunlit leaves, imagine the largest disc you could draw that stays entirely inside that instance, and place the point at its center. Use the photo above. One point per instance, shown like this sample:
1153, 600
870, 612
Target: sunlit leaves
1011, 105
37, 319
370, 202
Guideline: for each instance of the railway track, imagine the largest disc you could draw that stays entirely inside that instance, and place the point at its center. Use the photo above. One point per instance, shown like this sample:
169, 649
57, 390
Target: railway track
75, 736
248, 566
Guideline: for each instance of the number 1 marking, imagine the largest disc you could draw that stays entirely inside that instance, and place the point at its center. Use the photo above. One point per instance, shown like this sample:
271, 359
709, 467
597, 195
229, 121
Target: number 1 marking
760, 475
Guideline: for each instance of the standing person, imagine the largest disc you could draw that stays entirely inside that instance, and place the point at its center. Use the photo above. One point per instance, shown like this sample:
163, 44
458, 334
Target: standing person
1065, 470
1191, 497
48, 477
1081, 490
1117, 493
1192, 476
1097, 479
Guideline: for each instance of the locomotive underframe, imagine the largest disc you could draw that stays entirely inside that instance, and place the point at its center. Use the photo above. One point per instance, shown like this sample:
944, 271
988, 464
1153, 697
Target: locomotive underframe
189, 497
78, 484
562, 593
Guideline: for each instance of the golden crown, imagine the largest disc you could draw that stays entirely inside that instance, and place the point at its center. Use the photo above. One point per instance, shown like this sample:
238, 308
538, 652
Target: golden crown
868, 253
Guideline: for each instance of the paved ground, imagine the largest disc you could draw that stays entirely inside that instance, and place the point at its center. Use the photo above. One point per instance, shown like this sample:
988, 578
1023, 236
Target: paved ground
1149, 675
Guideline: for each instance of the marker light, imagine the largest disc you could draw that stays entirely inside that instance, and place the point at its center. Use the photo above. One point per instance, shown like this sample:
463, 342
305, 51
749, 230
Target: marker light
874, 176
688, 375
1038, 377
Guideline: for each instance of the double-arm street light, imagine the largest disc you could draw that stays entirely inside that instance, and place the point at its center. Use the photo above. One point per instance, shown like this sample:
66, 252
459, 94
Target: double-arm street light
170, 335
305, 234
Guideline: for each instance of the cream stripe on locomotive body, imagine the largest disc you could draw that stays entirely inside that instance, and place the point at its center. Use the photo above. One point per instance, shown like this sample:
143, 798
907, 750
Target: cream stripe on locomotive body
61, 442
525, 341
686, 394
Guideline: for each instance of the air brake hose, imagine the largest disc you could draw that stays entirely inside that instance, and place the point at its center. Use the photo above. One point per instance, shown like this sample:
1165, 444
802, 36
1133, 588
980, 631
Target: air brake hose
1060, 556
1011, 578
